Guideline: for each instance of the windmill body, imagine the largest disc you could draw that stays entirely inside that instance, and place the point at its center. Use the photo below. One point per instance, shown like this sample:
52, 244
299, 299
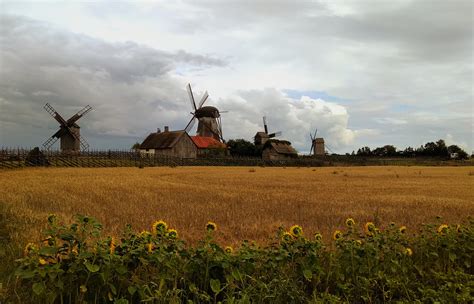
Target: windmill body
69, 132
208, 117
262, 137
317, 145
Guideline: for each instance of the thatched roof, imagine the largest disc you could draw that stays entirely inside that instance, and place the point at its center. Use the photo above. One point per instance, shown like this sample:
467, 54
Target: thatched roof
280, 146
162, 140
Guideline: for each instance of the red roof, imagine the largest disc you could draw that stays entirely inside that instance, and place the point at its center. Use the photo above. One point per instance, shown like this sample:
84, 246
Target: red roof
207, 142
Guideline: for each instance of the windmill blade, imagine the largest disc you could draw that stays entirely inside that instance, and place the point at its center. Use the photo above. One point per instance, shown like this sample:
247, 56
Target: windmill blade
50, 142
315, 132
55, 114
203, 99
265, 124
312, 148
274, 134
190, 124
83, 143
78, 115
191, 97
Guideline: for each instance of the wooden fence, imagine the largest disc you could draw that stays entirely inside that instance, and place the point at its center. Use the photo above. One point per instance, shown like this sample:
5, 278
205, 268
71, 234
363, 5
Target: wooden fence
18, 158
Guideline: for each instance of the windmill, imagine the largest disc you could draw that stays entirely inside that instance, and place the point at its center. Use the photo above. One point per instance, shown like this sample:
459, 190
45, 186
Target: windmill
69, 131
262, 137
317, 144
209, 118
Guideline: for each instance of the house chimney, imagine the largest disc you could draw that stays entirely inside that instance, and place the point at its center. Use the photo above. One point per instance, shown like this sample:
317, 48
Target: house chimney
167, 129
158, 130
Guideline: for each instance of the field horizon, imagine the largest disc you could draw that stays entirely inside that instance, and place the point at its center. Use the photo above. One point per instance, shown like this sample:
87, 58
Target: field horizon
247, 203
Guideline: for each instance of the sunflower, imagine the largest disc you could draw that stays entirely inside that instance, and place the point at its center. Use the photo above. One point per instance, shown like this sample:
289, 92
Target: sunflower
211, 226
369, 228
442, 229
337, 235
159, 227
149, 247
358, 243
112, 245
42, 261
408, 251
144, 234
228, 249
286, 237
402, 229
296, 230
30, 247
318, 236
350, 222
172, 234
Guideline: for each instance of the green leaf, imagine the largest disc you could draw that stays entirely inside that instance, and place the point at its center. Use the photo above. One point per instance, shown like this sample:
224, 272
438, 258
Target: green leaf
121, 269
308, 275
91, 267
452, 256
215, 286
121, 301
131, 290
38, 288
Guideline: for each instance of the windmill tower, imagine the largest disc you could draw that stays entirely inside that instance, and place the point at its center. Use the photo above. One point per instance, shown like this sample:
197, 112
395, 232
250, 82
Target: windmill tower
317, 145
209, 118
261, 137
69, 131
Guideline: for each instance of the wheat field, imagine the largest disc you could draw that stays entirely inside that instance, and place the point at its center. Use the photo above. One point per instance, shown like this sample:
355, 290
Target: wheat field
246, 203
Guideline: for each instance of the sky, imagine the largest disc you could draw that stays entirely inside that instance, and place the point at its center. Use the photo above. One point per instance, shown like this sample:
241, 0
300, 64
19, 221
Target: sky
363, 73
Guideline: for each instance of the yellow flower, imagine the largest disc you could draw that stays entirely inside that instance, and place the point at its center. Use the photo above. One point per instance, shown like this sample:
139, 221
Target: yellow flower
443, 229
369, 228
358, 242
211, 226
144, 234
172, 234
42, 261
228, 249
350, 222
337, 235
408, 251
318, 236
112, 245
149, 247
296, 230
402, 229
29, 248
159, 227
286, 237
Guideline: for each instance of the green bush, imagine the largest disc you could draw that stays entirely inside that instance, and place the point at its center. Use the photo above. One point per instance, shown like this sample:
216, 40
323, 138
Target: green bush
75, 264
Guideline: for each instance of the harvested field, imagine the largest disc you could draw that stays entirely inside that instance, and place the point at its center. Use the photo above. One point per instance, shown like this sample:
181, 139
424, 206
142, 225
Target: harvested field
246, 203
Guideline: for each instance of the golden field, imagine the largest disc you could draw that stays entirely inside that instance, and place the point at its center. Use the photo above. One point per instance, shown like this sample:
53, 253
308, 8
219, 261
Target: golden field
246, 203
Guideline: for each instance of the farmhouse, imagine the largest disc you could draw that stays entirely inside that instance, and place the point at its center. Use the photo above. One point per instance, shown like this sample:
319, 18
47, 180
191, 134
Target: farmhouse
278, 149
169, 143
209, 146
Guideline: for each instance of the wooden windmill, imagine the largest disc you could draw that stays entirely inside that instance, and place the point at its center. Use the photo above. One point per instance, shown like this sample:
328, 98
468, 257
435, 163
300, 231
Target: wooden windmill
69, 131
262, 137
209, 118
317, 145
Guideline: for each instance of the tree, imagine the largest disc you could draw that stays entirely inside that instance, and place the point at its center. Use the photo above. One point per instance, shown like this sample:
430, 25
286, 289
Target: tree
242, 147
136, 146
455, 149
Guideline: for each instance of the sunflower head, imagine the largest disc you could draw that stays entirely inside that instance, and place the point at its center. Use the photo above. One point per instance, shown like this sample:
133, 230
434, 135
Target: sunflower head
159, 227
318, 237
408, 251
228, 249
402, 229
369, 228
29, 248
442, 229
286, 237
172, 234
350, 222
144, 234
42, 261
337, 235
211, 226
149, 247
296, 231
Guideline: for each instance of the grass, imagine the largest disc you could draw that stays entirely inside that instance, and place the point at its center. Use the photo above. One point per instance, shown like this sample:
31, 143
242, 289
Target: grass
247, 203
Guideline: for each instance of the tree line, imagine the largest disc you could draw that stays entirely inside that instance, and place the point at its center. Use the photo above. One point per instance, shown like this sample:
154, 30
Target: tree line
430, 149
